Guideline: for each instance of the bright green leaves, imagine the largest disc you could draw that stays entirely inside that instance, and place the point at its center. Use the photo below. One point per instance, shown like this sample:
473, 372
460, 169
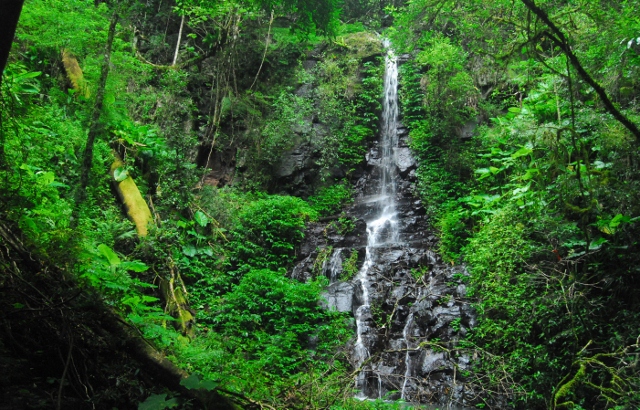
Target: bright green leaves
201, 218
106, 271
486, 172
611, 226
331, 199
448, 87
268, 230
526, 150
20, 83
196, 235
120, 174
321, 15
271, 317
112, 259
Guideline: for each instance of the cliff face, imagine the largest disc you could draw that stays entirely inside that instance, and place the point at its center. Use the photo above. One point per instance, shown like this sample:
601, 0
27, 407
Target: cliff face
410, 308
310, 124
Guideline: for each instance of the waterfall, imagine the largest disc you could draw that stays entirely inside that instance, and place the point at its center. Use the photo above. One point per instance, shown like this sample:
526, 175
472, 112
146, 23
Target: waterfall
402, 295
335, 265
383, 229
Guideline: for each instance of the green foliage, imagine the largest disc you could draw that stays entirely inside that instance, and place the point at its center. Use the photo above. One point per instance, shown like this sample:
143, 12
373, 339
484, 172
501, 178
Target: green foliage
350, 266
540, 200
323, 256
274, 321
322, 15
330, 200
453, 231
268, 230
448, 90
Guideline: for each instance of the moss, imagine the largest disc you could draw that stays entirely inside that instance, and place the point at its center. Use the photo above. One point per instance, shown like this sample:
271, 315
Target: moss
74, 74
568, 387
361, 46
137, 207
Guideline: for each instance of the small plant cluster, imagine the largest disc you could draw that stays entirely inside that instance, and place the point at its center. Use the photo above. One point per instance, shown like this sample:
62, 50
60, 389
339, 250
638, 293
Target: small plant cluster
350, 266
320, 262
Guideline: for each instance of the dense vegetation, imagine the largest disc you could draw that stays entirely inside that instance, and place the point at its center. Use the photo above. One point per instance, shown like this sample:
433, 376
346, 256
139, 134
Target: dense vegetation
525, 118
177, 116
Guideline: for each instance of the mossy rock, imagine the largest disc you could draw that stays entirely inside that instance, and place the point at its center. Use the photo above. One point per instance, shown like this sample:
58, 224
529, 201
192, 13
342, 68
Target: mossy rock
362, 46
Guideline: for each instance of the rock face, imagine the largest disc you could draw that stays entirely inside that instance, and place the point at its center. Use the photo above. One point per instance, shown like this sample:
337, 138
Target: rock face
409, 306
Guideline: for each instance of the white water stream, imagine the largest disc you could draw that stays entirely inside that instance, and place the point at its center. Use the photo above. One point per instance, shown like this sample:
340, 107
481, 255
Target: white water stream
383, 229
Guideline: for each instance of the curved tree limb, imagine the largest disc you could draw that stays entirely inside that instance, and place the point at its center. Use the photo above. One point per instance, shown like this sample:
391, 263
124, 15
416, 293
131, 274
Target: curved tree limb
560, 40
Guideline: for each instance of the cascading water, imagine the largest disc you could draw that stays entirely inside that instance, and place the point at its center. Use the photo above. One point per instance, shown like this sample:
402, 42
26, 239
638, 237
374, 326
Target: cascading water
384, 228
335, 263
403, 296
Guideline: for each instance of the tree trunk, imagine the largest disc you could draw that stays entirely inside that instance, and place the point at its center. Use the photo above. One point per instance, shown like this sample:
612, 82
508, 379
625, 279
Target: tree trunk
94, 127
8, 22
175, 55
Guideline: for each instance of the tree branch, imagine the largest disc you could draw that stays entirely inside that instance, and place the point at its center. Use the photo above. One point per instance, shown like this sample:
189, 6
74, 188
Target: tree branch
560, 39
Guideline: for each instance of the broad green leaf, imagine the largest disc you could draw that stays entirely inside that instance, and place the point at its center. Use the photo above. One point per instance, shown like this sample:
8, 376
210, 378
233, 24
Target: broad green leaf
484, 173
120, 174
26, 76
618, 219
158, 402
522, 152
108, 253
135, 266
45, 178
28, 89
531, 172
192, 382
209, 385
521, 190
201, 218
205, 250
189, 250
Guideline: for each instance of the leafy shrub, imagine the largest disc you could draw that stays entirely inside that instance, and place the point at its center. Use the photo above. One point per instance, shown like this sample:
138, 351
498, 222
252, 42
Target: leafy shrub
331, 199
268, 328
350, 266
452, 224
268, 229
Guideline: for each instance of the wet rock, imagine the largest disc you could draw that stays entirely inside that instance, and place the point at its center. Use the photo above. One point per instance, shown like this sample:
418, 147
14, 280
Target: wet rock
304, 90
432, 361
294, 161
339, 296
404, 160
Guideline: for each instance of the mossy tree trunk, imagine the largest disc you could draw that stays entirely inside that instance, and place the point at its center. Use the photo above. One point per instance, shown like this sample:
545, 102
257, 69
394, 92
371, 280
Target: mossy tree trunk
172, 288
94, 127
